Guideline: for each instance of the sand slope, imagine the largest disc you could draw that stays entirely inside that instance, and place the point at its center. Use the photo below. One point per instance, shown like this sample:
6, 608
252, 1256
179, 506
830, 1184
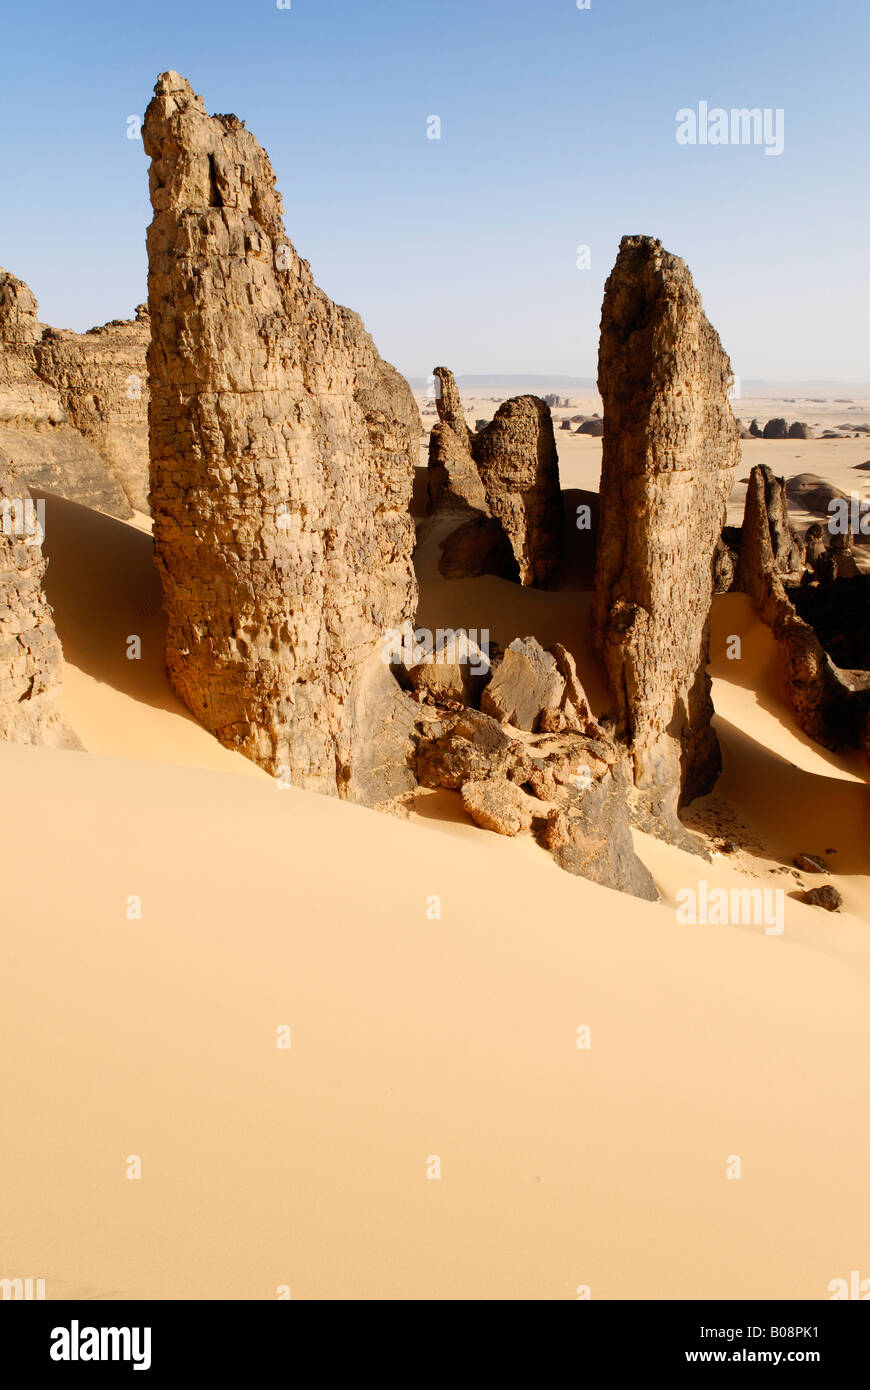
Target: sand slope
411, 1036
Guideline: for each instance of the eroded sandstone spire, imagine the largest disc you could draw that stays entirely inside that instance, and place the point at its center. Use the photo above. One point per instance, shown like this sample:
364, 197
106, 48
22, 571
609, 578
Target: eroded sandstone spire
669, 452
282, 457
508, 474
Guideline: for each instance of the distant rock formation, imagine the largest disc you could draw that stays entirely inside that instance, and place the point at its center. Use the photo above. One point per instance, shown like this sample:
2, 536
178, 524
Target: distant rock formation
592, 427
31, 661
507, 473
776, 429
73, 406
454, 482
670, 449
282, 456
798, 430
755, 430
830, 704
769, 543
811, 493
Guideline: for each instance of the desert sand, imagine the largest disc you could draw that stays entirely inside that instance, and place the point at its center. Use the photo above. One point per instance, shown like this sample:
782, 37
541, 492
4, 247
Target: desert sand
417, 1036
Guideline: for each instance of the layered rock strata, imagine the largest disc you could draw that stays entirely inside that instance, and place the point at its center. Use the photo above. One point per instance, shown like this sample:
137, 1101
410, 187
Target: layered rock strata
73, 406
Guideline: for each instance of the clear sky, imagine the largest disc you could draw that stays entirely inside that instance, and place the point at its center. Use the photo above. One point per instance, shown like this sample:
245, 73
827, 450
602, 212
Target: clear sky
558, 129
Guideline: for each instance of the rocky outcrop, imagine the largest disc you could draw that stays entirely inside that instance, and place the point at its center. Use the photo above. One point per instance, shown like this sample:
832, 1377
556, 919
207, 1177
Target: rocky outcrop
776, 429
799, 430
73, 406
507, 473
516, 458
454, 482
100, 377
768, 543
282, 456
31, 661
568, 788
669, 453
829, 702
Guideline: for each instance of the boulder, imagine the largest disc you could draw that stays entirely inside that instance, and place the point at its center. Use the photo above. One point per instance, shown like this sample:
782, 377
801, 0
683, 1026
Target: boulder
828, 897
526, 684
570, 788
810, 863
454, 676
473, 748
499, 805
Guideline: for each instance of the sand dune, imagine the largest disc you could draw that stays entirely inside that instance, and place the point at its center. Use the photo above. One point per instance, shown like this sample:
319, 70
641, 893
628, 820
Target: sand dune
412, 1037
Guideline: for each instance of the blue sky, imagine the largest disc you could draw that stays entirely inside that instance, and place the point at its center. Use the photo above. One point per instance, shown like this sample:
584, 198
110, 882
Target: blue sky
557, 130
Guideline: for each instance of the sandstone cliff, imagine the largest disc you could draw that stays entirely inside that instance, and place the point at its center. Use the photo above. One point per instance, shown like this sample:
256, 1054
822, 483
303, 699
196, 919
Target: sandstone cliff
669, 452
282, 457
73, 406
100, 377
31, 661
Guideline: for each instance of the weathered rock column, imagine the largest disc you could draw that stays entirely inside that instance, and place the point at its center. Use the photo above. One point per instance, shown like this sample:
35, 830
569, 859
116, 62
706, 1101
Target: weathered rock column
670, 448
282, 457
507, 477
31, 661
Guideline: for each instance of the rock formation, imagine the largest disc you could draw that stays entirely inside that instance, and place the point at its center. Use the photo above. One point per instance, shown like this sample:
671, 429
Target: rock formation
568, 788
454, 482
101, 379
31, 661
768, 542
73, 406
830, 703
669, 452
282, 457
776, 429
508, 473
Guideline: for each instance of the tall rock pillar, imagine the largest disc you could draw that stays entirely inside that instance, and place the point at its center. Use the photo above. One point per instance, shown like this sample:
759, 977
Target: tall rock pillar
282, 458
670, 448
